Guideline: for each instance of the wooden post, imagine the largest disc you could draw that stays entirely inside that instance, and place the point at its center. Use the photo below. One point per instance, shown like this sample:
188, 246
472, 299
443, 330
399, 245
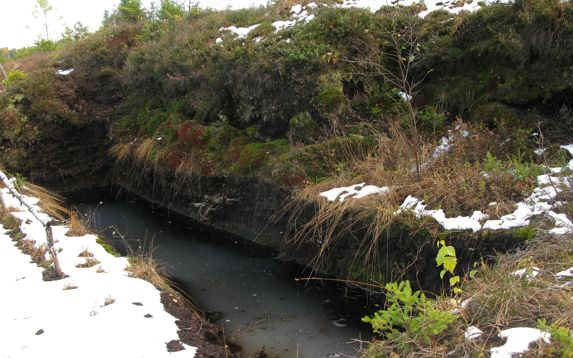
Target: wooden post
52, 251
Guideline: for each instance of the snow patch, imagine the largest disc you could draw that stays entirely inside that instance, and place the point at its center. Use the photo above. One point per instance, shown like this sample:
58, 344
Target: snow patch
472, 332
518, 341
65, 72
357, 191
299, 14
240, 32
458, 223
565, 274
528, 273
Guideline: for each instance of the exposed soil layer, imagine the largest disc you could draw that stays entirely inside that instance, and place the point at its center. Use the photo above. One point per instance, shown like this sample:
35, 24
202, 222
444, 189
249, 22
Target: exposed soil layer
196, 331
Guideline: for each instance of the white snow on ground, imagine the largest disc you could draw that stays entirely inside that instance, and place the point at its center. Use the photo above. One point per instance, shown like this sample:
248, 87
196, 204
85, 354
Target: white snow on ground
302, 14
528, 273
458, 223
472, 332
240, 32
48, 319
357, 191
565, 274
518, 341
431, 5
64, 72
299, 14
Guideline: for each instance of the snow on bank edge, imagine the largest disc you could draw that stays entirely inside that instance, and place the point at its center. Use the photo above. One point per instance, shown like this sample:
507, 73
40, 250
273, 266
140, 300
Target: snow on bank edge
95, 312
540, 202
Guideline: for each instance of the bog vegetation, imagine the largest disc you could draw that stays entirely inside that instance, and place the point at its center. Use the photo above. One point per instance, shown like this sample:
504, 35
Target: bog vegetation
351, 96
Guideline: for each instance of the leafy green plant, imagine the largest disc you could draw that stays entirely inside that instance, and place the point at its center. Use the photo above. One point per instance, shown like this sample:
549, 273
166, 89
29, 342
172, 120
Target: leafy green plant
408, 316
524, 170
560, 335
491, 163
14, 76
446, 258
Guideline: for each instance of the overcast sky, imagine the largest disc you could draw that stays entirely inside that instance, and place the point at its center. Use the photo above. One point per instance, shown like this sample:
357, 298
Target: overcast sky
19, 28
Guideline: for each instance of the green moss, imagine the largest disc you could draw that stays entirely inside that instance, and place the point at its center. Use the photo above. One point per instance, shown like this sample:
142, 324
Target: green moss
107, 247
331, 97
524, 233
255, 155
318, 161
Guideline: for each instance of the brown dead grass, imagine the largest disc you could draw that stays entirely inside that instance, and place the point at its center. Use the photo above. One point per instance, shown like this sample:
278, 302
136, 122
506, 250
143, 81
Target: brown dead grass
146, 268
144, 150
77, 227
90, 262
51, 203
85, 253
121, 151
454, 182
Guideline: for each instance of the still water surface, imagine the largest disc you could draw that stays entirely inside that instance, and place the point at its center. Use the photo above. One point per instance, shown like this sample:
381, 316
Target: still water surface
259, 302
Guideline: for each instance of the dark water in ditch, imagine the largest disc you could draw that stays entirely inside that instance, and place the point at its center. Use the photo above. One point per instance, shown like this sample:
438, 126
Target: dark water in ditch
256, 296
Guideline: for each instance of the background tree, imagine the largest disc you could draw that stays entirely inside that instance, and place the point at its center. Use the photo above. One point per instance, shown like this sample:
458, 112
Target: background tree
171, 10
130, 11
75, 33
41, 10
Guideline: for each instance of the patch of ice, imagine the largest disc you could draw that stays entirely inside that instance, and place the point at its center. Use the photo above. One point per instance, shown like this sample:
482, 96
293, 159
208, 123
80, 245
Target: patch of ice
528, 273
65, 72
518, 341
540, 151
312, 5
218, 40
357, 191
472, 332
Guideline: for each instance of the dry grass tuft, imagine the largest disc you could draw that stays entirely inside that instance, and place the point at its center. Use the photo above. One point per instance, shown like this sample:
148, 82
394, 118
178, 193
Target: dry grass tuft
90, 262
68, 287
85, 253
77, 227
142, 265
37, 254
121, 151
500, 299
50, 202
108, 301
144, 150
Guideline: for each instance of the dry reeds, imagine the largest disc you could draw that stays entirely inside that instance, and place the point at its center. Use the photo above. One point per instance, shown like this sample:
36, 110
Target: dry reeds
121, 151
51, 203
77, 227
453, 181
